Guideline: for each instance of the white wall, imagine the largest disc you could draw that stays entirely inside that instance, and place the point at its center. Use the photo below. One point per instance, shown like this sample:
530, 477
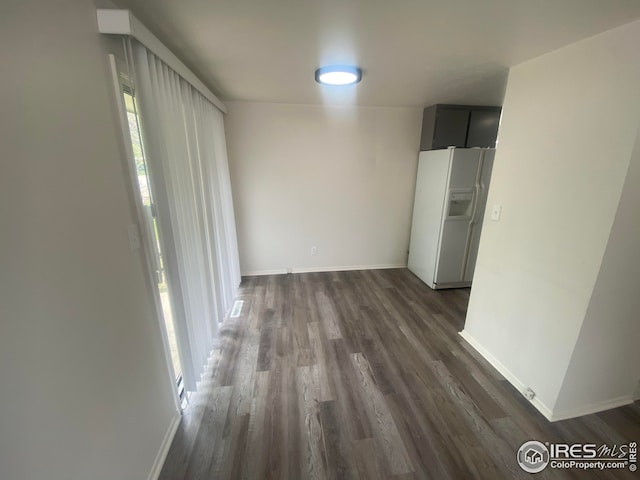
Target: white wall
85, 392
338, 178
569, 124
605, 367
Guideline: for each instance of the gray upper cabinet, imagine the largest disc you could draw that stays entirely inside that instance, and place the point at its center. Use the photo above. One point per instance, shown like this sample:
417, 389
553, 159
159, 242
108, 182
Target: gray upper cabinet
450, 128
483, 128
461, 126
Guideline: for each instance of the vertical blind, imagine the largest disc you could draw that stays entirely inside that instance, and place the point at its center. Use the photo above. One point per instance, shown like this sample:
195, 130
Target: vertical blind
184, 139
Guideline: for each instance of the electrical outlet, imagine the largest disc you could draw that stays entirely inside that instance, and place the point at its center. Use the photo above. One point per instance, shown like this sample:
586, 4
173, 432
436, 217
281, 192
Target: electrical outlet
529, 394
496, 211
314, 251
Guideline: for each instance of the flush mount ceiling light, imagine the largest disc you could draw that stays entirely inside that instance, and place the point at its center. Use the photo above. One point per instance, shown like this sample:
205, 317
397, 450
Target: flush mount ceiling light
338, 75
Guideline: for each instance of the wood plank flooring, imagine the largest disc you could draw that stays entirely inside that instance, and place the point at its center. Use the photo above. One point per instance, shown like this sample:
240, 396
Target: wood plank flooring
361, 375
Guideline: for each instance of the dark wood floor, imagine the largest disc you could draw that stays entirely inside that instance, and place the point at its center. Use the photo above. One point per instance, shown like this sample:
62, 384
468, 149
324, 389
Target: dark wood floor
362, 375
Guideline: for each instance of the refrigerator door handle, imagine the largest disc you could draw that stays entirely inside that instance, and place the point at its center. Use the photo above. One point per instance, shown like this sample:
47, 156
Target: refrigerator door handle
475, 204
478, 187
474, 219
480, 196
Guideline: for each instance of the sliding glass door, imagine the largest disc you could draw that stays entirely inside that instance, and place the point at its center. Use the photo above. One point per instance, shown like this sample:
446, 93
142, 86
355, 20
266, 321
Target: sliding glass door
180, 175
146, 199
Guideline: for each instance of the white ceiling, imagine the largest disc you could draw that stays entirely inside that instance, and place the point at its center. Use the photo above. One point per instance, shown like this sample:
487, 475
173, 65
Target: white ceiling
412, 52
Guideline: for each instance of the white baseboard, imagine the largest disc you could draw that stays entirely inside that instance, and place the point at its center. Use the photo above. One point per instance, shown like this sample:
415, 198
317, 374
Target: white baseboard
540, 406
164, 447
506, 373
257, 273
591, 408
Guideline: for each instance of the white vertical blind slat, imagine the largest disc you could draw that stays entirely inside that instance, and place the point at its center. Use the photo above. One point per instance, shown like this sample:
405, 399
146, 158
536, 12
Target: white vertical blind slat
185, 143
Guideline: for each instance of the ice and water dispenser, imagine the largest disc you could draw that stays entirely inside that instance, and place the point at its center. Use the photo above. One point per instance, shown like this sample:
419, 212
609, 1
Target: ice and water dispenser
460, 204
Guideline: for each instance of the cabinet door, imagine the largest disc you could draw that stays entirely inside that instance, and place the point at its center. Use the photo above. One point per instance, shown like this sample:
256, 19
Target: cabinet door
450, 128
483, 128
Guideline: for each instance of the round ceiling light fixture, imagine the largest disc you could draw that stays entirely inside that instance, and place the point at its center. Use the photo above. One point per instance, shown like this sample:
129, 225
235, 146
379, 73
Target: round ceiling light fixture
338, 75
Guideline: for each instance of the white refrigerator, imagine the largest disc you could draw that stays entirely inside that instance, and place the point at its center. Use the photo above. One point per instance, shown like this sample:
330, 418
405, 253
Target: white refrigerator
450, 200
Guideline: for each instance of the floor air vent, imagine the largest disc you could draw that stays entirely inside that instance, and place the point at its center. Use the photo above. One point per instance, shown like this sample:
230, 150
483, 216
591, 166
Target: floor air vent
237, 308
